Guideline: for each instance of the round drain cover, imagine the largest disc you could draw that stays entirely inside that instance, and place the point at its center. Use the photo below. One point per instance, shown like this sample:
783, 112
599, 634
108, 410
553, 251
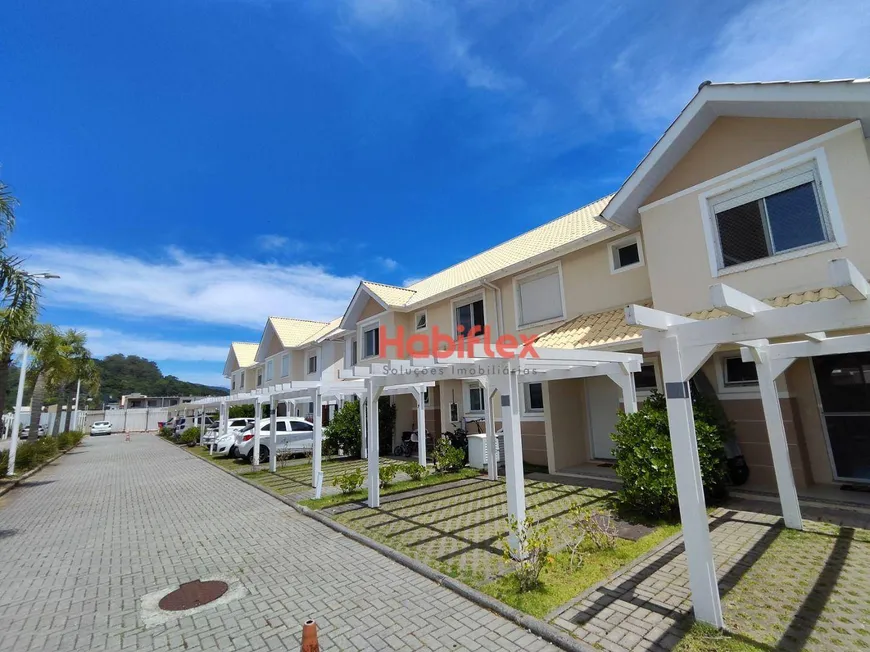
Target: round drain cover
193, 594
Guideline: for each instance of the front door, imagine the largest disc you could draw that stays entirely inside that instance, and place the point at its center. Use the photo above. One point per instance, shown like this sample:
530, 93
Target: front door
602, 396
844, 390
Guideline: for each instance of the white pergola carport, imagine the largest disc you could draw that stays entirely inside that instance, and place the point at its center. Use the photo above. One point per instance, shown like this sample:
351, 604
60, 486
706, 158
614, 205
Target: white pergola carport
685, 345
505, 374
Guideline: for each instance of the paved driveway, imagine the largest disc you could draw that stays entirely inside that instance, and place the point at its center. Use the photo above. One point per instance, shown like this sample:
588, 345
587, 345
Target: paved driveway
86, 538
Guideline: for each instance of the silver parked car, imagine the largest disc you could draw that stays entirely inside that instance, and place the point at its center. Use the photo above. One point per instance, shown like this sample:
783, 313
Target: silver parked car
101, 428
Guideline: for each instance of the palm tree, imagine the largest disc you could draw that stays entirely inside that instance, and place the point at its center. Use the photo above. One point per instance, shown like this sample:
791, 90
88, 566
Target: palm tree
47, 347
19, 293
72, 361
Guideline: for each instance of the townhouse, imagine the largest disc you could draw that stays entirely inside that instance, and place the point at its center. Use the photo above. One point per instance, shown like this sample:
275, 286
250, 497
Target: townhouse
755, 185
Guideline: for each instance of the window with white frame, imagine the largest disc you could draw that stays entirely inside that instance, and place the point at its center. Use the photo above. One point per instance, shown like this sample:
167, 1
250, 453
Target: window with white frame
269, 370
778, 214
259, 377
626, 253
242, 380
354, 358
285, 365
312, 364
372, 342
539, 296
475, 396
736, 373
234, 382
420, 321
534, 397
468, 315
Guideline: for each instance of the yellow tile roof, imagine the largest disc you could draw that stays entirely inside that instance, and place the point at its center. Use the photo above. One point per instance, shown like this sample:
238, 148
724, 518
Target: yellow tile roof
609, 327
793, 299
575, 225
592, 329
326, 330
295, 332
392, 295
244, 352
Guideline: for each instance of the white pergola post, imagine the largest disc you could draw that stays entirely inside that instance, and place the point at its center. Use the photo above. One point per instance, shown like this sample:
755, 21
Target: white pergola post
690, 485
273, 434
375, 386
625, 379
491, 446
509, 388
16, 419
258, 411
317, 453
363, 423
420, 395
788, 498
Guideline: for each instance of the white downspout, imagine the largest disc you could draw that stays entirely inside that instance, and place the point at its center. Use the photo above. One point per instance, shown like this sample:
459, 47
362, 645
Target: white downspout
499, 313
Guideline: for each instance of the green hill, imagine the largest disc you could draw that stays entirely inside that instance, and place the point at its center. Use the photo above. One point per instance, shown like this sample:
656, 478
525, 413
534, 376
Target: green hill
127, 374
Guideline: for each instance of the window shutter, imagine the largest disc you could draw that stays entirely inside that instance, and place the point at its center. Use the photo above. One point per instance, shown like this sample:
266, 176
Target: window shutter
540, 298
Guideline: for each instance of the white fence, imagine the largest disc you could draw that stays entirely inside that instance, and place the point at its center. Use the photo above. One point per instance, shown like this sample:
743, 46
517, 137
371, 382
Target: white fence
135, 420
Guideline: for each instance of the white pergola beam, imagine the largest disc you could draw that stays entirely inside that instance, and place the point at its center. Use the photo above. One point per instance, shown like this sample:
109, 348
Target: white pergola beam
828, 346
657, 320
734, 302
848, 280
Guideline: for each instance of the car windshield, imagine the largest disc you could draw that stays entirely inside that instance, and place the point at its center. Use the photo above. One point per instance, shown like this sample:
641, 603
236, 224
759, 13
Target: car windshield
101, 423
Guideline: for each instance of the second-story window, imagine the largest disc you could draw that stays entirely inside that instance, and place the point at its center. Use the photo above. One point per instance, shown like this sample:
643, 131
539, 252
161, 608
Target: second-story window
354, 353
372, 342
242, 380
539, 297
259, 377
234, 382
469, 315
285, 365
312, 364
270, 371
782, 213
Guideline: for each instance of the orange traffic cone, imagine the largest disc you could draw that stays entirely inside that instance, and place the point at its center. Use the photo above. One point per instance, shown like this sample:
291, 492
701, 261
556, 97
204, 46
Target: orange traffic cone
309, 637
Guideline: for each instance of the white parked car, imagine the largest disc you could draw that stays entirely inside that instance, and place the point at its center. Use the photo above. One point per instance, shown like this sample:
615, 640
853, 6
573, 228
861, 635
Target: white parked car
25, 432
101, 428
233, 426
295, 435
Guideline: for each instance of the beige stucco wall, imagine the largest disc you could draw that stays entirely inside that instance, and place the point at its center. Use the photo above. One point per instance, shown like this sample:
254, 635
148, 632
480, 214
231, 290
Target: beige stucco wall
565, 411
732, 142
805, 404
587, 284
676, 248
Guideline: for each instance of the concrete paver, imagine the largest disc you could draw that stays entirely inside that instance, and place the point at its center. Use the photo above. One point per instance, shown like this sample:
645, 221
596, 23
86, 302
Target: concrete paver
83, 540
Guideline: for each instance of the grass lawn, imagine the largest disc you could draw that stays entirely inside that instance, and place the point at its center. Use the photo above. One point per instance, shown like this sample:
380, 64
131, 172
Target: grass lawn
560, 582
706, 638
395, 488
237, 465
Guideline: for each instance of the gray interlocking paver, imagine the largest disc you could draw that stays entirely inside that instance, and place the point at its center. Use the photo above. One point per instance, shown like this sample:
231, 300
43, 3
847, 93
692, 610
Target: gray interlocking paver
112, 521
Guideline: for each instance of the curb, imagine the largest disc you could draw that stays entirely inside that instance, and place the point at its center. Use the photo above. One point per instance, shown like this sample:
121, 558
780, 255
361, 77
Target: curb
549, 633
11, 485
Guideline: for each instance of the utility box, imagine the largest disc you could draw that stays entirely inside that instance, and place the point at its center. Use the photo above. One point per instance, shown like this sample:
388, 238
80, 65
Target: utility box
478, 456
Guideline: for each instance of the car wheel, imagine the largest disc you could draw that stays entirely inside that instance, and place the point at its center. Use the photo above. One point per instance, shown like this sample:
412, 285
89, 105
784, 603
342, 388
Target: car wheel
264, 454
233, 452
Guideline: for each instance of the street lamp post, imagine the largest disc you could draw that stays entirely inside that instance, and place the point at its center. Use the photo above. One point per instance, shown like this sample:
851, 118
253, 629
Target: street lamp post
16, 420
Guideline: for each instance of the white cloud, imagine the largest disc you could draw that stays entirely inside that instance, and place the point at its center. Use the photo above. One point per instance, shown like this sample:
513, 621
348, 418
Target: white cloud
411, 281
272, 242
435, 27
103, 342
766, 41
387, 263
184, 287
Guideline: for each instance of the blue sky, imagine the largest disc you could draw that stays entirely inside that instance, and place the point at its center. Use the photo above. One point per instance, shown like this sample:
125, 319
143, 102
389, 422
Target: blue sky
190, 167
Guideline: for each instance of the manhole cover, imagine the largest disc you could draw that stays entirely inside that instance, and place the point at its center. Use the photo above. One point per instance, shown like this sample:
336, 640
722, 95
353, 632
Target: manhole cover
193, 594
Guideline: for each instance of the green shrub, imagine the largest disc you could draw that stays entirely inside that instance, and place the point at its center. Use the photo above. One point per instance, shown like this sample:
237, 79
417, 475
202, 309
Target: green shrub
349, 481
646, 466
386, 474
530, 555
31, 454
67, 440
343, 432
415, 470
166, 432
190, 436
386, 425
447, 457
